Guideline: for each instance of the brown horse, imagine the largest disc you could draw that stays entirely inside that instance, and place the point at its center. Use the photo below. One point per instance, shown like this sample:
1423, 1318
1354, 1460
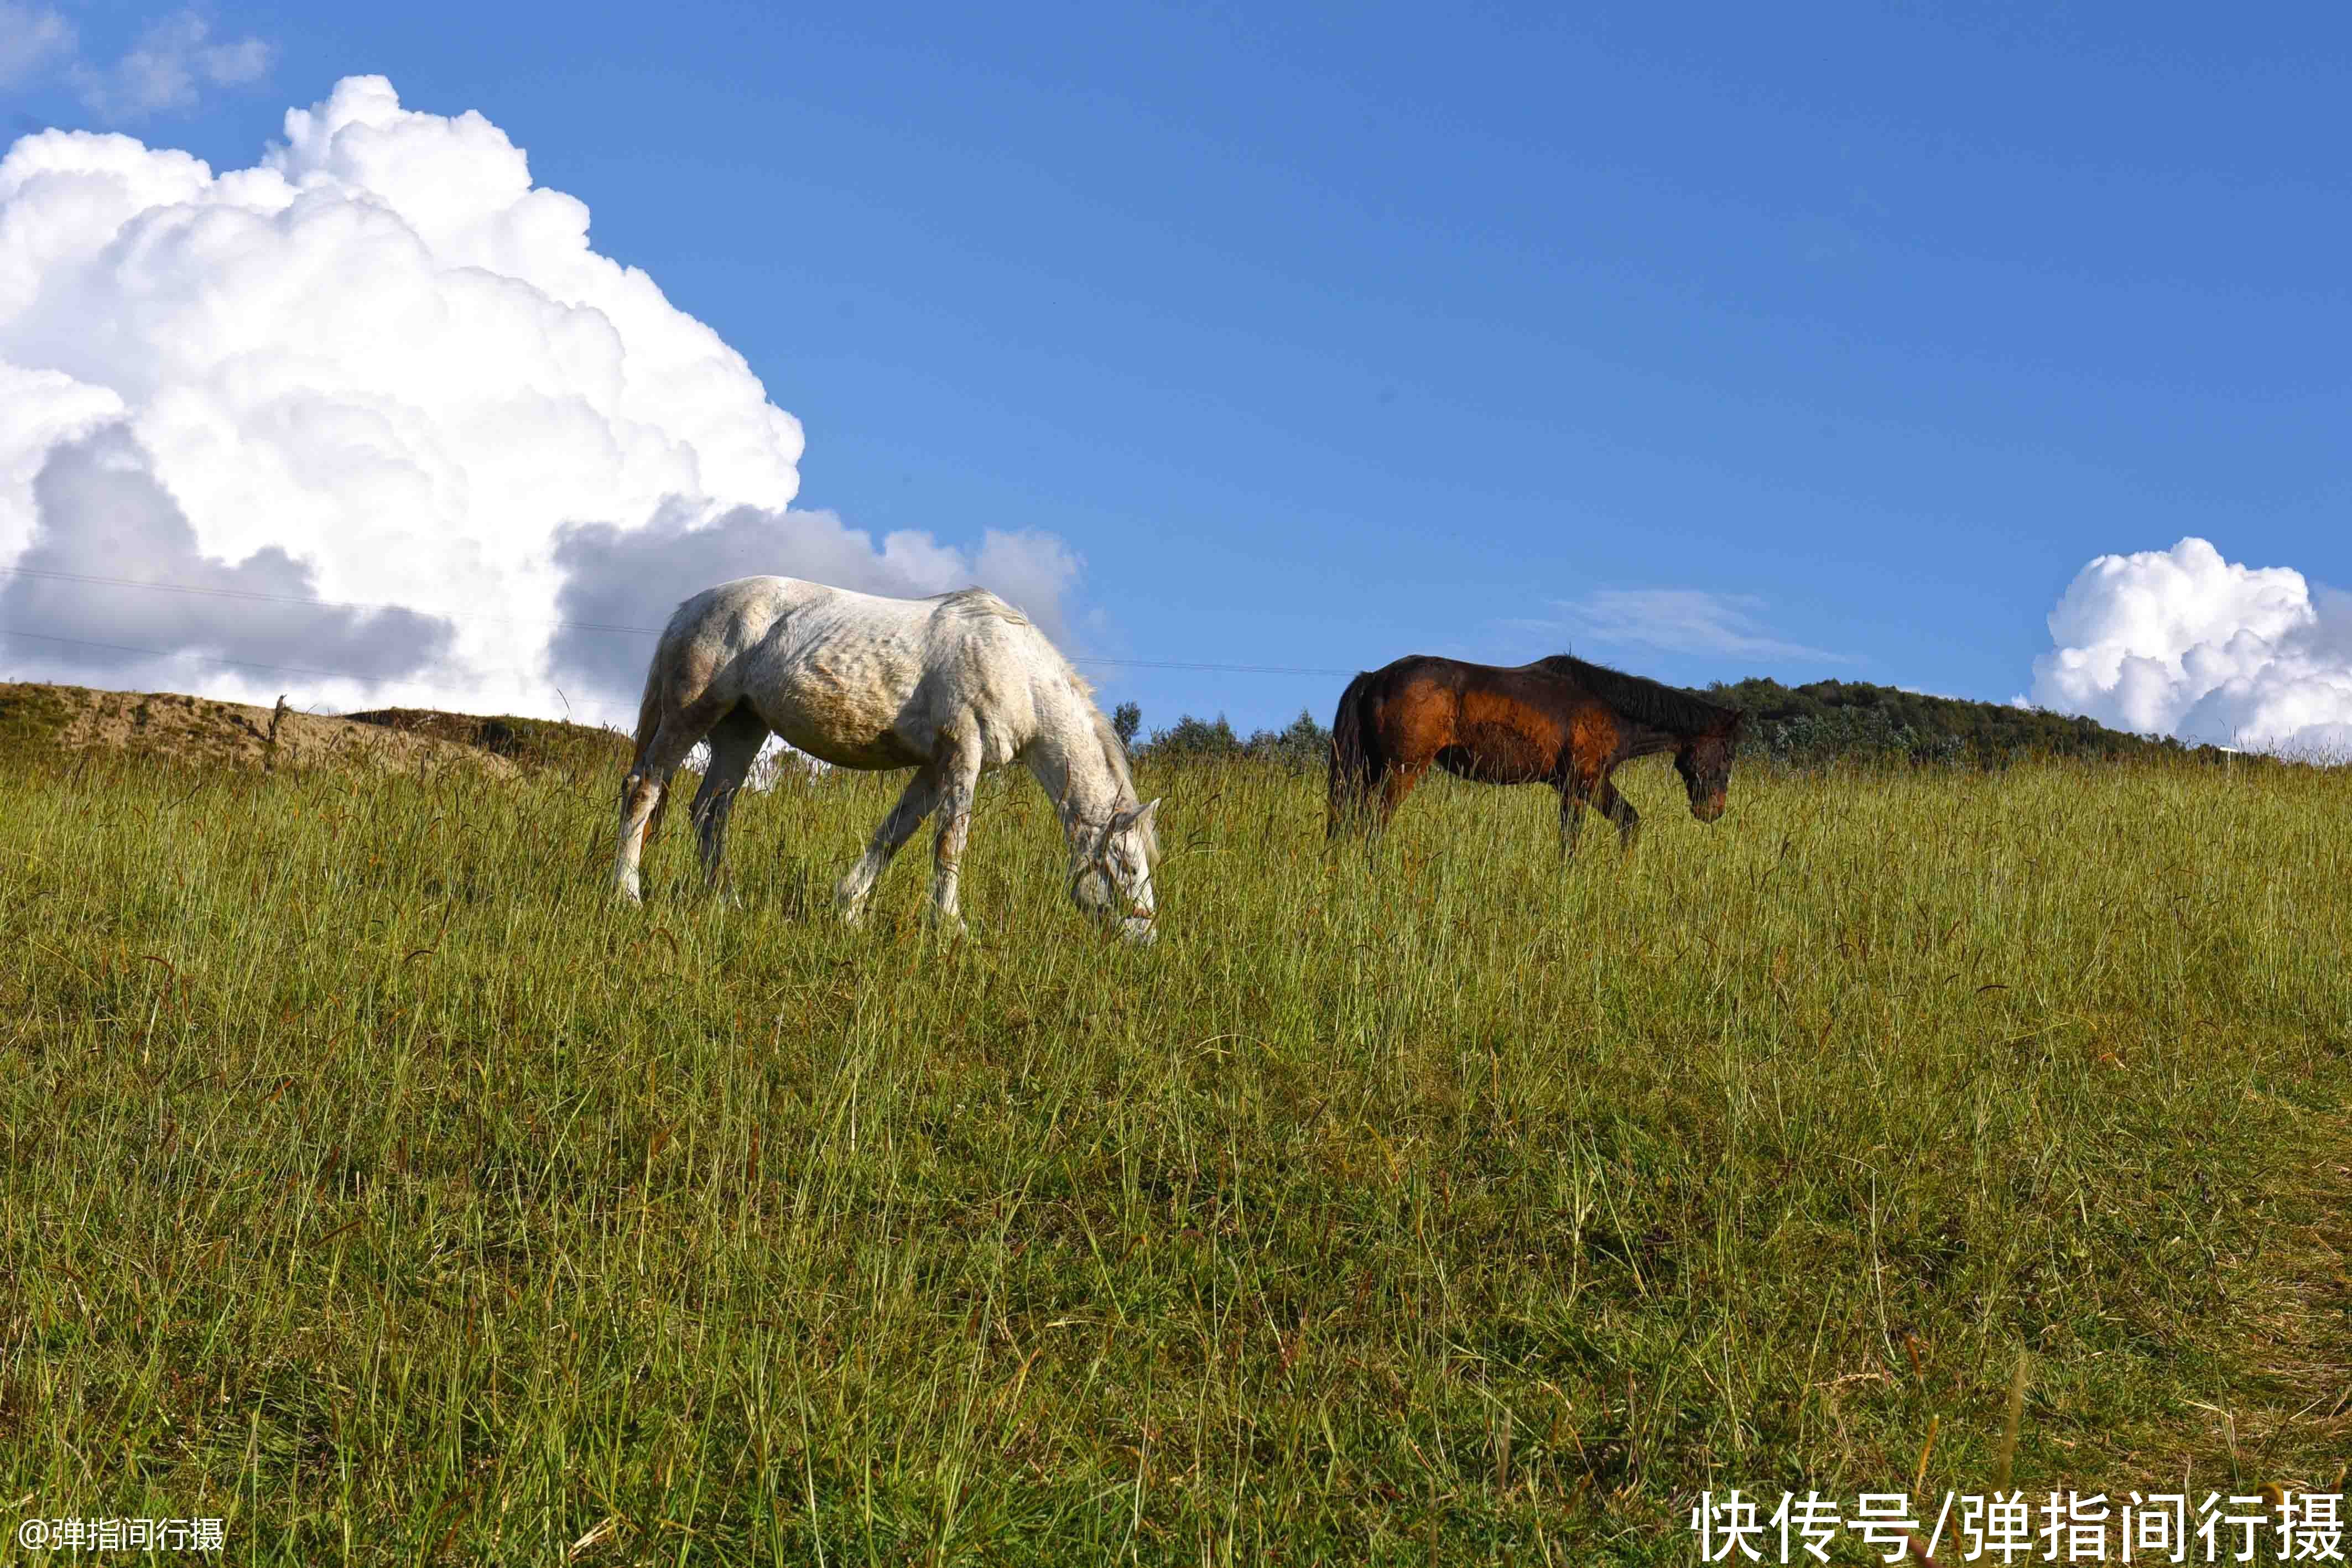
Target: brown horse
1559, 721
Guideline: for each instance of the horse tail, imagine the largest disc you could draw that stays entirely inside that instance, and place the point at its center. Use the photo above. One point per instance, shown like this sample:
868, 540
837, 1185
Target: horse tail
1353, 767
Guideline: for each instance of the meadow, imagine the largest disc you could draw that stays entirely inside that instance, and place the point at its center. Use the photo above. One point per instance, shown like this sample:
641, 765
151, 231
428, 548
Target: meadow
373, 1184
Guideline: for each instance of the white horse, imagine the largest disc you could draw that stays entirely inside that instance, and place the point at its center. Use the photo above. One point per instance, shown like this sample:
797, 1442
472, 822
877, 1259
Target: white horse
953, 686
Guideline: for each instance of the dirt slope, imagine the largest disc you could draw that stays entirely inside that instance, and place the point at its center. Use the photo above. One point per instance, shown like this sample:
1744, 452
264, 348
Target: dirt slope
178, 729
533, 743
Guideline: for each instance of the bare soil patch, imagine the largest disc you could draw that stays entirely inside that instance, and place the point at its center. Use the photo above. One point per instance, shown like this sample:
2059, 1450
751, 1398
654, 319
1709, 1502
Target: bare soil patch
172, 727
533, 743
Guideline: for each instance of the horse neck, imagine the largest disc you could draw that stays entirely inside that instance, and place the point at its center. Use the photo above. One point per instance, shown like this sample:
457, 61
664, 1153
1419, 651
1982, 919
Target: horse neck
1067, 759
1648, 740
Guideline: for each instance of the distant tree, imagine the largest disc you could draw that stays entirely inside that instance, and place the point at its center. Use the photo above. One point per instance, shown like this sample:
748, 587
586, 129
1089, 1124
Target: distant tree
1300, 746
1191, 739
1303, 746
1127, 720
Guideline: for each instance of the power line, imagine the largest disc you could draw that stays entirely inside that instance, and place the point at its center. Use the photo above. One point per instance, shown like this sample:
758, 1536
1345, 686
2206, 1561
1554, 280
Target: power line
240, 664
1222, 669
249, 594
252, 596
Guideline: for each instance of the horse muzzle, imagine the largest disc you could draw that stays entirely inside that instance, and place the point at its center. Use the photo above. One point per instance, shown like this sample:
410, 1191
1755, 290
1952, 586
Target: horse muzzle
1708, 809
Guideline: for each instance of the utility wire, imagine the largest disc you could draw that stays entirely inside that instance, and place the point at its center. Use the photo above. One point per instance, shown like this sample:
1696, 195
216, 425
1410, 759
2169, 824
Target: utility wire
1224, 669
247, 594
240, 664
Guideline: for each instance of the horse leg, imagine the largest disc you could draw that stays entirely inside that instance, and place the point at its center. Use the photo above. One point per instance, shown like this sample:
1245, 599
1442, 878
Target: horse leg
735, 743
638, 795
960, 780
921, 794
648, 780
1620, 810
1395, 785
1571, 817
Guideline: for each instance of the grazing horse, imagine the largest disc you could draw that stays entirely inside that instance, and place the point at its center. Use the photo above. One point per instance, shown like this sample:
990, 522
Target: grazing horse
1559, 721
951, 686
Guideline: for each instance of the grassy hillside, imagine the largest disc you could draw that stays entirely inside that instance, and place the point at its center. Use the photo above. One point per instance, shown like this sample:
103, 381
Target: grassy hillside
370, 1182
535, 743
1825, 721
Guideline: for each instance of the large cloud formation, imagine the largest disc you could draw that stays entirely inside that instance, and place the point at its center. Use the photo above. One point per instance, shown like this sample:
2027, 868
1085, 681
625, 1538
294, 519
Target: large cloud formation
375, 406
2182, 641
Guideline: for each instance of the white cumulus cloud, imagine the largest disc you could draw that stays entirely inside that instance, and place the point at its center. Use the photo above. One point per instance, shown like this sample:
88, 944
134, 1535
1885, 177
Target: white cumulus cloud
2182, 641
64, 590
378, 368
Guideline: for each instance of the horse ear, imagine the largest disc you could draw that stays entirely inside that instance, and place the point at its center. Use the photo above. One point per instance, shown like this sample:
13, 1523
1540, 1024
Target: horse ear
1148, 814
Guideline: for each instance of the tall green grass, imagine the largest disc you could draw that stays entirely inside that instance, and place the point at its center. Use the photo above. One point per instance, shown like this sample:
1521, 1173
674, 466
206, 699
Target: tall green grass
370, 1182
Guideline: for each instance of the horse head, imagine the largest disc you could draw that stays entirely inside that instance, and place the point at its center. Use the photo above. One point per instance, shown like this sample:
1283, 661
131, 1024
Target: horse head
1705, 762
1110, 871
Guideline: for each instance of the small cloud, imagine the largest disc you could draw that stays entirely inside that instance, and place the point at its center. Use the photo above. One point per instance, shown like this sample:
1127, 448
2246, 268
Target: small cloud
174, 60
1682, 621
30, 38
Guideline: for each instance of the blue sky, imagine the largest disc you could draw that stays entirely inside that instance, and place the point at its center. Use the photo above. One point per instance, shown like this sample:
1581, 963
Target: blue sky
1707, 341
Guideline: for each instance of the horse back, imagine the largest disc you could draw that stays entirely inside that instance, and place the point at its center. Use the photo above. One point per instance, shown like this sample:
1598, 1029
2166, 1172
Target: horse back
1496, 724
833, 672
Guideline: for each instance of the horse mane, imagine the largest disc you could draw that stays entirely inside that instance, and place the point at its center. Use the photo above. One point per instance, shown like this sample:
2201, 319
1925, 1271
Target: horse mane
978, 605
1114, 752
1640, 698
